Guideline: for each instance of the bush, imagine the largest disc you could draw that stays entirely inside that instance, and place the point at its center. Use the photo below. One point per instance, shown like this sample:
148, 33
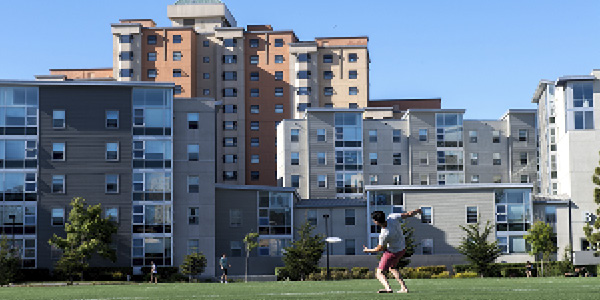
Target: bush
106, 273
34, 275
315, 277
513, 272
165, 274
466, 275
432, 269
369, 275
442, 275
281, 273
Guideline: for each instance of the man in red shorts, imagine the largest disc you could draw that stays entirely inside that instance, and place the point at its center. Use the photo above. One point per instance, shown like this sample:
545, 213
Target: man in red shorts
391, 239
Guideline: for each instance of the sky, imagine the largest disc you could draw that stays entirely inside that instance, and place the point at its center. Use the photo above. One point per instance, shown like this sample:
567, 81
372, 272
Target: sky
482, 56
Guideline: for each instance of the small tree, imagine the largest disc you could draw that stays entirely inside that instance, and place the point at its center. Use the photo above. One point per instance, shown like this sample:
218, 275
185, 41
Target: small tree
477, 248
592, 229
539, 237
87, 233
10, 262
302, 257
193, 265
250, 243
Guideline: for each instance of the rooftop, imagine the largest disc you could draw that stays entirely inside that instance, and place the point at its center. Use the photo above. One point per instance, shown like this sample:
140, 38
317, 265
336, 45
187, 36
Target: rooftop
188, 2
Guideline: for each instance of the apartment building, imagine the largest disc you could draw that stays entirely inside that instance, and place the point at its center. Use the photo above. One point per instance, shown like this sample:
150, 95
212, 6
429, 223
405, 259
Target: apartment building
334, 153
568, 149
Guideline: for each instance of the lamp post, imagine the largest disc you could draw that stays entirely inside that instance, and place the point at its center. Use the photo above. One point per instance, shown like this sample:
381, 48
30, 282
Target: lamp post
329, 240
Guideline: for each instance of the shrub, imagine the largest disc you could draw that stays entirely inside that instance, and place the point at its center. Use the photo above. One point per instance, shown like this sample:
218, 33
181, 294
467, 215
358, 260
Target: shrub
281, 273
466, 275
432, 269
442, 275
369, 275
358, 272
315, 277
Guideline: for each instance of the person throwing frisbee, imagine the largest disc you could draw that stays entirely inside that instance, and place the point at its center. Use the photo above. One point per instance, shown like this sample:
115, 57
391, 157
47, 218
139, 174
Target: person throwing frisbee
393, 245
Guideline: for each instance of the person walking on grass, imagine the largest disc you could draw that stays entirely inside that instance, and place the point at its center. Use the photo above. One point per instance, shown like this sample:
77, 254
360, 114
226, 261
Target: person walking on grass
529, 269
393, 245
153, 273
224, 266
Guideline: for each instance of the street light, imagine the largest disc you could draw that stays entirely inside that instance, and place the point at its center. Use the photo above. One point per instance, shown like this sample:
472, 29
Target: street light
329, 240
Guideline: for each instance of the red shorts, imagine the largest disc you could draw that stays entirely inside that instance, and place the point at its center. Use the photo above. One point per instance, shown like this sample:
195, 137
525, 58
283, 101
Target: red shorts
390, 259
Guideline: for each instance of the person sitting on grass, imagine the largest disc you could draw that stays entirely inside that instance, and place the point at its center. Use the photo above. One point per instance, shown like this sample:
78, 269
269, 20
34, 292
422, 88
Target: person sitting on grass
392, 240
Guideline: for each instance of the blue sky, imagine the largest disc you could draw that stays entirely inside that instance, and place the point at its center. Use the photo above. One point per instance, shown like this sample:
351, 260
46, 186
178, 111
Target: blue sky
484, 56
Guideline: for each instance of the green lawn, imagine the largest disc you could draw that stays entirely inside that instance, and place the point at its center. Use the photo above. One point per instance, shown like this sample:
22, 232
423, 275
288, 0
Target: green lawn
447, 289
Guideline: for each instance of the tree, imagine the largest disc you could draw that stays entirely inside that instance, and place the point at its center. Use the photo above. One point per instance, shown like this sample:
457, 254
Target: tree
592, 227
302, 257
477, 248
539, 237
193, 265
250, 243
10, 262
87, 233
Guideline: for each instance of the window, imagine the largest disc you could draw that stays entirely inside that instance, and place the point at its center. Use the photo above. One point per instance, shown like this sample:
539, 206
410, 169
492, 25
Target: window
229, 158
112, 183
427, 246
373, 136
125, 72
397, 159
294, 135
303, 91
327, 74
235, 218
230, 92
205, 59
254, 59
253, 76
230, 42
125, 39
278, 92
426, 215
205, 44
321, 158
189, 22
424, 179
471, 214
193, 183
353, 74
350, 217
396, 135
152, 40
295, 180
152, 73
229, 175
177, 90
423, 158
254, 125
255, 159
472, 136
322, 180
206, 92
206, 75
320, 135
328, 105
254, 92
303, 74
58, 184
151, 56
278, 42
278, 108
253, 43
352, 57
126, 56
58, 216
177, 56
373, 158
254, 175
423, 135
112, 214
304, 57
373, 179
327, 58
497, 179
474, 178
278, 59
522, 135
328, 91
278, 75
229, 142
58, 151
524, 178
496, 159
193, 215
350, 247
397, 180
176, 72
254, 142
311, 217
474, 158
229, 59
496, 136
235, 248
112, 151
295, 156
193, 152
523, 158
352, 90
229, 125
193, 245
584, 119
193, 119
254, 109
112, 119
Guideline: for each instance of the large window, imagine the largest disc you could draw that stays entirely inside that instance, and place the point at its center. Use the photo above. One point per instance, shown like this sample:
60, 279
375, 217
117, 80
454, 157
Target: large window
450, 160
151, 186
146, 250
348, 160
274, 213
513, 219
449, 128
349, 183
152, 111
348, 129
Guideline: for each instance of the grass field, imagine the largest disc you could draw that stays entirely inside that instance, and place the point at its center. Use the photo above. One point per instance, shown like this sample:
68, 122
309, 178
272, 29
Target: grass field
447, 289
